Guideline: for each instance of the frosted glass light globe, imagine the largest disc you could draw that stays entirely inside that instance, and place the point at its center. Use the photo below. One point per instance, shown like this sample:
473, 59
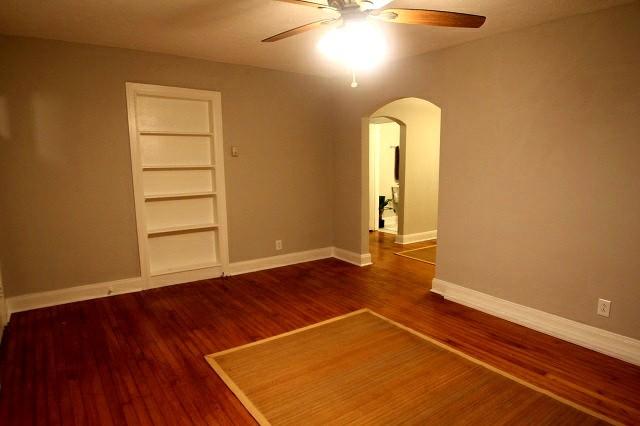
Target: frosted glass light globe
358, 45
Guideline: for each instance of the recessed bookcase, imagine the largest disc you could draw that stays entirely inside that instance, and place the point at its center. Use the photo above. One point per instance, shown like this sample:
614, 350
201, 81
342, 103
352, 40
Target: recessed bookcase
178, 177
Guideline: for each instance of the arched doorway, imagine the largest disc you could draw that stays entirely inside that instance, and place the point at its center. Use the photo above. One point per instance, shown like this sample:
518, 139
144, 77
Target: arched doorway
410, 189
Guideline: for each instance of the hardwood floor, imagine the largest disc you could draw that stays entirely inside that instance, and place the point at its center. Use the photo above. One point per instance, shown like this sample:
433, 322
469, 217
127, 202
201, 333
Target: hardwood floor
138, 358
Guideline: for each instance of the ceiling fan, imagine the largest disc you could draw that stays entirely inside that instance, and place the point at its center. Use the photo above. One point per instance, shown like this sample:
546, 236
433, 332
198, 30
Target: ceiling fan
355, 41
361, 9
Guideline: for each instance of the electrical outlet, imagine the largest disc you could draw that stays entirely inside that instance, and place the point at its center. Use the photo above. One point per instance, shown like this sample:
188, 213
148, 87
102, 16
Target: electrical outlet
278, 244
604, 307
235, 151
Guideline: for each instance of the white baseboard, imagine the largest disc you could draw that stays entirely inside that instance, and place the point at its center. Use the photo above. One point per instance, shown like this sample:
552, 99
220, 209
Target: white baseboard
606, 342
236, 268
44, 299
182, 277
351, 257
93, 291
416, 238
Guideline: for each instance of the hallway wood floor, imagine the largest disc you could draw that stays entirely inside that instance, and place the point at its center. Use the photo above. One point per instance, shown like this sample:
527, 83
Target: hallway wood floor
138, 358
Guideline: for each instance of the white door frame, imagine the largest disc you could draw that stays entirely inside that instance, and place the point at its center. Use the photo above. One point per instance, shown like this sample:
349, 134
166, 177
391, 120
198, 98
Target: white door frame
215, 100
374, 182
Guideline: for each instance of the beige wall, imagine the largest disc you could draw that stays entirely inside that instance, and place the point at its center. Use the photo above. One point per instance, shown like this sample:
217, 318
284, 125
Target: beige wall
539, 176
420, 154
539, 180
67, 197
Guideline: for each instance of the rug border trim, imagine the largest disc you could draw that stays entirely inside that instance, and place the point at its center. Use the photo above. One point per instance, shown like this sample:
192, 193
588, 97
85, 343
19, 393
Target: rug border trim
501, 372
239, 393
262, 420
402, 253
244, 399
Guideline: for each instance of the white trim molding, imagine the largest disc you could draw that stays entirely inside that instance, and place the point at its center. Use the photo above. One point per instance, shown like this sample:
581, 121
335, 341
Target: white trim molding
351, 257
416, 238
45, 299
219, 262
183, 277
606, 342
237, 268
246, 266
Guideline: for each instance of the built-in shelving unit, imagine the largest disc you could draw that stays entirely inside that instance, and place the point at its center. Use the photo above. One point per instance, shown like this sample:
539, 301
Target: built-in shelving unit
179, 181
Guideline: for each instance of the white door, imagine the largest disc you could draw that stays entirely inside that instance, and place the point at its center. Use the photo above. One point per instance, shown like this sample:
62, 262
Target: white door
178, 178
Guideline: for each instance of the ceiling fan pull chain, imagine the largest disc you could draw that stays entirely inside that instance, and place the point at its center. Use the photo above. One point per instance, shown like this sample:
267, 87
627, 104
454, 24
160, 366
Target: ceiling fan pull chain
354, 83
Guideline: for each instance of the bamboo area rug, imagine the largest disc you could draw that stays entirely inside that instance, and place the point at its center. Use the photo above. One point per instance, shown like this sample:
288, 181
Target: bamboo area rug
423, 254
362, 368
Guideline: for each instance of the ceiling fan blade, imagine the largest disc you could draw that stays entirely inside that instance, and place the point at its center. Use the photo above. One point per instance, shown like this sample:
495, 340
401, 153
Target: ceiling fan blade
310, 3
300, 29
429, 17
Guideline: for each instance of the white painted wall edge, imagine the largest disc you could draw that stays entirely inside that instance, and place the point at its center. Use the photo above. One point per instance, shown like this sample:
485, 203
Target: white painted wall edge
606, 342
45, 299
416, 238
351, 257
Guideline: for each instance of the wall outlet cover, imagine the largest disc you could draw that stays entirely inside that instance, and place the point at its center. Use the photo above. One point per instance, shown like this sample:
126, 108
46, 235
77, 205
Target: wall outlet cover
604, 307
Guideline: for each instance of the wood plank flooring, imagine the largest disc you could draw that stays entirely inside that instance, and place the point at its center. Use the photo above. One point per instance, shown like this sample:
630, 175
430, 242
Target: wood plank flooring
138, 358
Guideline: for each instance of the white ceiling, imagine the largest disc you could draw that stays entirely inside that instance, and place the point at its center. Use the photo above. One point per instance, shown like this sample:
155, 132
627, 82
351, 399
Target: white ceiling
231, 30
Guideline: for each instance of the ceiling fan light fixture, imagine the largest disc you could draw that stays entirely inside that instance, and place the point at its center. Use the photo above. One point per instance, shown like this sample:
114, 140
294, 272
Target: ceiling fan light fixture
359, 45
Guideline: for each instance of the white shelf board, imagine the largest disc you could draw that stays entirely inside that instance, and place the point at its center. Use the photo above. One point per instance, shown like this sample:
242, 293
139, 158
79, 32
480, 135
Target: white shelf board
154, 197
161, 133
184, 228
178, 167
185, 268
